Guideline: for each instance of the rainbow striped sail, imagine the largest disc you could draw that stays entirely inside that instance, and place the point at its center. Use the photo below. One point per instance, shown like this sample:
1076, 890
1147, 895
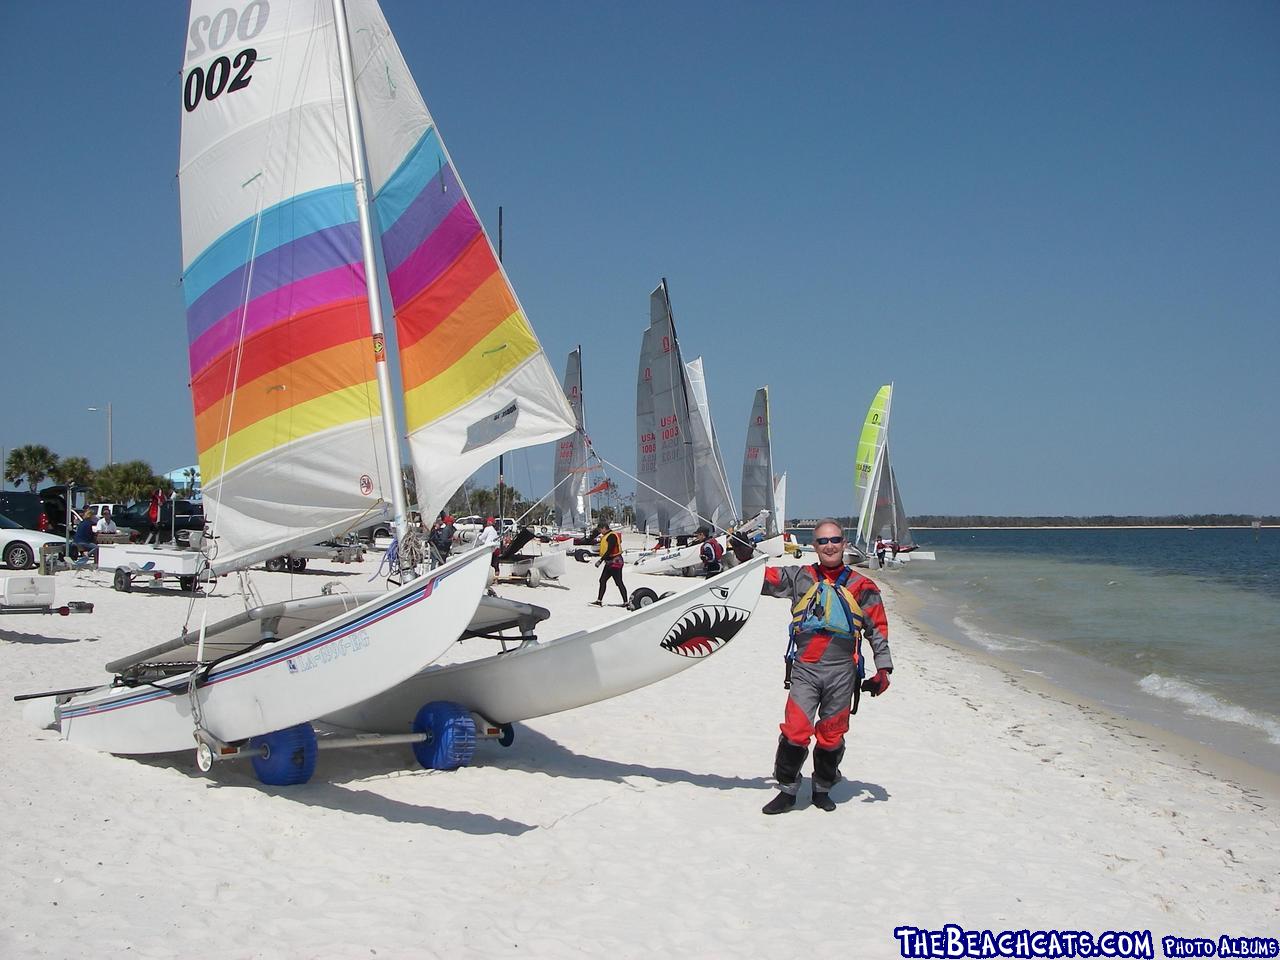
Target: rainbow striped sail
288, 423
476, 380
287, 418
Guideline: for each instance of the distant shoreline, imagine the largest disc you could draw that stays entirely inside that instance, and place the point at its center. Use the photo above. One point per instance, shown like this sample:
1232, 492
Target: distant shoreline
1094, 526
1110, 526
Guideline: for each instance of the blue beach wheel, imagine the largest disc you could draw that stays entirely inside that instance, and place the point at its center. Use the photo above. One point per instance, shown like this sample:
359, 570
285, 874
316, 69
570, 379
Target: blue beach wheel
289, 756
451, 736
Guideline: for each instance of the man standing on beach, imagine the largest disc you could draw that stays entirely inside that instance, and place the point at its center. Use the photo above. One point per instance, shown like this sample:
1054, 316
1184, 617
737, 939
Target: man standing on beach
833, 608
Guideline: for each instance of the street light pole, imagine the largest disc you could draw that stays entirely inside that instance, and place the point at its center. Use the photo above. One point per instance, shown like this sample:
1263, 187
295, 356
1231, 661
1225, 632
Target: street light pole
96, 410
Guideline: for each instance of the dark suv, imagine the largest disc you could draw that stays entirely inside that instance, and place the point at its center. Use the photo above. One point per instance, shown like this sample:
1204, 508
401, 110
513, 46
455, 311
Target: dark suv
26, 509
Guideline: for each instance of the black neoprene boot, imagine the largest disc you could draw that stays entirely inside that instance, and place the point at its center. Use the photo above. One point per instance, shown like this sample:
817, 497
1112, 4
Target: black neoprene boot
786, 770
826, 774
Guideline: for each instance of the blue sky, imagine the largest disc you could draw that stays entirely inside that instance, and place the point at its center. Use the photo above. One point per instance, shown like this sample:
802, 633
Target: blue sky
1055, 227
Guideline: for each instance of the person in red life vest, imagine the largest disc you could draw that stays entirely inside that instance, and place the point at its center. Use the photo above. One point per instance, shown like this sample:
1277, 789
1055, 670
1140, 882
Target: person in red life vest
833, 608
611, 559
153, 517
710, 552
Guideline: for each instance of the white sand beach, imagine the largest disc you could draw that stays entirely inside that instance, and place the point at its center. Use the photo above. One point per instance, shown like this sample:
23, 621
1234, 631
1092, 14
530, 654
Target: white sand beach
629, 828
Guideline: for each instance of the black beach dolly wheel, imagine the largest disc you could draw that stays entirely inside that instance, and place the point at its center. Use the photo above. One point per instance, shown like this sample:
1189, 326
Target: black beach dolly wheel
289, 756
642, 597
451, 736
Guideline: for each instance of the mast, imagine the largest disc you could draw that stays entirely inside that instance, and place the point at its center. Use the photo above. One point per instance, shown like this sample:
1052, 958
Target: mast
500, 478
582, 405
373, 281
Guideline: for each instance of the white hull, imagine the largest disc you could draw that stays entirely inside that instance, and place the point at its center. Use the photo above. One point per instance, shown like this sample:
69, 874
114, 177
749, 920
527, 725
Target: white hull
676, 561
544, 677
673, 561
548, 565
312, 669
184, 563
773, 547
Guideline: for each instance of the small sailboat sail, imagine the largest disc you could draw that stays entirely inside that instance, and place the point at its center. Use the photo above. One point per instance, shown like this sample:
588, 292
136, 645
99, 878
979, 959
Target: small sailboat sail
476, 380
665, 498
757, 466
710, 481
780, 500
868, 463
646, 502
572, 501
900, 530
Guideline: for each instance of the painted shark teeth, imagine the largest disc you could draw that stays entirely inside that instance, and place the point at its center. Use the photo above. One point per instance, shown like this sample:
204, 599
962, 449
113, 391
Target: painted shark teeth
703, 630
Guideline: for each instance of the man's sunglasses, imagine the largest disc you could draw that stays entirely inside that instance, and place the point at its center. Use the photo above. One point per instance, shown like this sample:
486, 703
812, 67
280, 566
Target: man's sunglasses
823, 541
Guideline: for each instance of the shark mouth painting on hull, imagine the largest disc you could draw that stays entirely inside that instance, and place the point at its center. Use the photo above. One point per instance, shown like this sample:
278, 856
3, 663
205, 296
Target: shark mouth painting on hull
703, 630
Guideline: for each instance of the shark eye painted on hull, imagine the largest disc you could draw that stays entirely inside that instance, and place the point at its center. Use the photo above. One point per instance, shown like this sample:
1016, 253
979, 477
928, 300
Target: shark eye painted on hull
702, 631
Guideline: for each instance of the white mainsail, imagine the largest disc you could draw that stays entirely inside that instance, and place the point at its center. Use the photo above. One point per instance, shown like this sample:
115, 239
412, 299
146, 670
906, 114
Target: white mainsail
780, 500
757, 466
662, 428
571, 481
711, 484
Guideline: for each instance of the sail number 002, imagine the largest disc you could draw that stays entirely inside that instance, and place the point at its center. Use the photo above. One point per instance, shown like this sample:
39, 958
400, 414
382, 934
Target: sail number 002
214, 33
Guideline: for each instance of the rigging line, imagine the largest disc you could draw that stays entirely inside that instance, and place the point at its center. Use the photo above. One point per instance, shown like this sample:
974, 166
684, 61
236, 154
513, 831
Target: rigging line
535, 503
639, 482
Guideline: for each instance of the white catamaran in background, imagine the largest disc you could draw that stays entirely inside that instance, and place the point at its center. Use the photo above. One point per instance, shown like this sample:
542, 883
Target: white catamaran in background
881, 516
309, 166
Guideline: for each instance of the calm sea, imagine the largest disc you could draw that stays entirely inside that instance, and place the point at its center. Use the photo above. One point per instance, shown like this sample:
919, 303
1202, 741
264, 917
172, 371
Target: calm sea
1177, 627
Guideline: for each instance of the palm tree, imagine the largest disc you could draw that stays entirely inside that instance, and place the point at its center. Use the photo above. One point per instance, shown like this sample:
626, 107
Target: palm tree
33, 461
72, 471
122, 482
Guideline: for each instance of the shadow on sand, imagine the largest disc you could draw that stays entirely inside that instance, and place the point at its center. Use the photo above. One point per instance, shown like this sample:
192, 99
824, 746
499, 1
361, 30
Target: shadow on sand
348, 799
338, 774
13, 636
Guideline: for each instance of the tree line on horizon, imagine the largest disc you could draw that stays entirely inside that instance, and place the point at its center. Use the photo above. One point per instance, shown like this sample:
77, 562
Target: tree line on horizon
1103, 520
35, 463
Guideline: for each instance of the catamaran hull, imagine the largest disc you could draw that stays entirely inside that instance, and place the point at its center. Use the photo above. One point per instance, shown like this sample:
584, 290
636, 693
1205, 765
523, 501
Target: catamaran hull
668, 562
674, 561
541, 678
337, 663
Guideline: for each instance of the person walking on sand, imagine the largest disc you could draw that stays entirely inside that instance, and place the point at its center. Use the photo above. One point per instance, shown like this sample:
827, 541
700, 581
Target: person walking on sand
881, 547
611, 559
833, 607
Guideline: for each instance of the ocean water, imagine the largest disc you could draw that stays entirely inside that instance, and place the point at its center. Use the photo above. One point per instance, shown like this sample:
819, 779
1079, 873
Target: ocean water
1175, 627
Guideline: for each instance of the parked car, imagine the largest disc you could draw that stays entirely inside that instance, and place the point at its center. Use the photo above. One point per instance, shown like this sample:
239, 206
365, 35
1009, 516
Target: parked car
19, 546
182, 517
25, 509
